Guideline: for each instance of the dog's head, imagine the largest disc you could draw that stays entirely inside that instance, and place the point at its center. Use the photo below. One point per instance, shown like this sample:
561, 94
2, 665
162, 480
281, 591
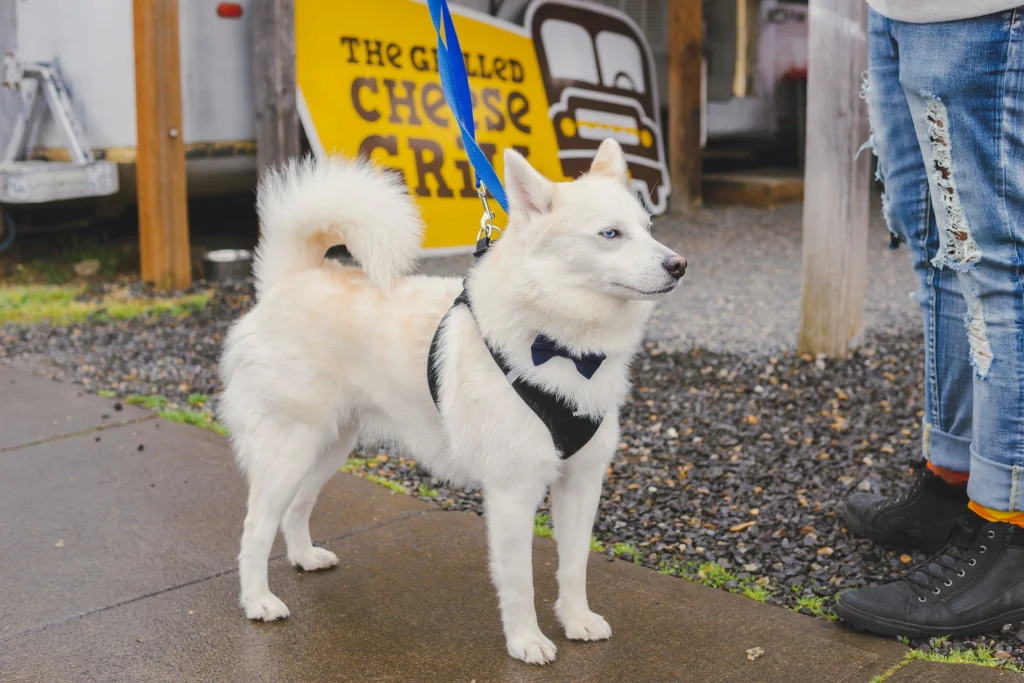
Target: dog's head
590, 234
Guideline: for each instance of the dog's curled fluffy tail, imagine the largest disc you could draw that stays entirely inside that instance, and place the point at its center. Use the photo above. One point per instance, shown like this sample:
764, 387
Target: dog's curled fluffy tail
309, 206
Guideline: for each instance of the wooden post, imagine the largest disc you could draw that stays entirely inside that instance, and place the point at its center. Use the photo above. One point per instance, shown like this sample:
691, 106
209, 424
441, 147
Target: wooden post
160, 159
837, 185
274, 88
742, 68
685, 55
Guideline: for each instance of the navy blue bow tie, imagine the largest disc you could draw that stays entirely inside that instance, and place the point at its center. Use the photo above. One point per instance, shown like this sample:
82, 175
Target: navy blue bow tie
544, 349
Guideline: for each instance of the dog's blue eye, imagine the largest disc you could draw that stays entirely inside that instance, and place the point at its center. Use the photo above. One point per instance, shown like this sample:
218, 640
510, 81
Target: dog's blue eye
611, 233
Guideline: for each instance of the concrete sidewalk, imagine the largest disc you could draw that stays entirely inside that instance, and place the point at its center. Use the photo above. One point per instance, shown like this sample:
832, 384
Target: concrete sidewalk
118, 533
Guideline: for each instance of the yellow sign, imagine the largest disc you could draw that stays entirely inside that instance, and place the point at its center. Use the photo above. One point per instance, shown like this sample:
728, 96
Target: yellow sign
368, 83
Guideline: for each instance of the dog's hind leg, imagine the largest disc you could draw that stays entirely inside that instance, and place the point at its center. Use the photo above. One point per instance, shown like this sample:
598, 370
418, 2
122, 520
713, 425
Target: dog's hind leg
295, 525
283, 457
509, 514
574, 501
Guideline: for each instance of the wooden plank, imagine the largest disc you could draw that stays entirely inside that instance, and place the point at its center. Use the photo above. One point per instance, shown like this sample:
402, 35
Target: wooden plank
685, 55
160, 161
763, 188
274, 87
835, 221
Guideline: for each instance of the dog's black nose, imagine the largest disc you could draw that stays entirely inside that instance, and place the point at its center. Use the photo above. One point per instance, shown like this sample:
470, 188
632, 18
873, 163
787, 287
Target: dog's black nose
675, 265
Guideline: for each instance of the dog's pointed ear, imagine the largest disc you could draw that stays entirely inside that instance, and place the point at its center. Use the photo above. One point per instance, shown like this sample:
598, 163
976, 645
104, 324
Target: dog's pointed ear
527, 190
610, 162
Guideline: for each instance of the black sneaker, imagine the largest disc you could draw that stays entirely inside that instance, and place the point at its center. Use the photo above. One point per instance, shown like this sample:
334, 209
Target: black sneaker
972, 586
919, 518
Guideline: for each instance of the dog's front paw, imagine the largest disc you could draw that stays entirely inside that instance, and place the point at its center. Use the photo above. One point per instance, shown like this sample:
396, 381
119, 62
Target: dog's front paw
312, 558
266, 607
586, 626
531, 647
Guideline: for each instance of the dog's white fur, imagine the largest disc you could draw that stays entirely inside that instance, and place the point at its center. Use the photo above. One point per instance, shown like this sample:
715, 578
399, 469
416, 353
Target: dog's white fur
334, 353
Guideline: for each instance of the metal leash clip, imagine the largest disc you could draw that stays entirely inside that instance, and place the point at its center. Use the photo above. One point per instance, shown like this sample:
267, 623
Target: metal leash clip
487, 226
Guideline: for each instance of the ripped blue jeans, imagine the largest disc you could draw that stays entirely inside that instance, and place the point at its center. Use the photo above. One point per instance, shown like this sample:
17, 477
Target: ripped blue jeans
946, 102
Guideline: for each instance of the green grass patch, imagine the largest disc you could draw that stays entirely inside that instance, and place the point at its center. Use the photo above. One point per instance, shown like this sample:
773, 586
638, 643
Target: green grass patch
715, 575
393, 486
61, 305
106, 393
756, 592
198, 400
33, 303
542, 526
816, 606
980, 656
185, 415
354, 465
596, 545
196, 418
357, 467
148, 401
811, 603
427, 492
623, 549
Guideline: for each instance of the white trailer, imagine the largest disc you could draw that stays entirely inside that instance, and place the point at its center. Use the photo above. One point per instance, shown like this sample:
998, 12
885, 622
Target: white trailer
91, 44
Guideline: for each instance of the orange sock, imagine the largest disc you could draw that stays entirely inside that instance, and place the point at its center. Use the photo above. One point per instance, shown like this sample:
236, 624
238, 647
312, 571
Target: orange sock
949, 476
1016, 518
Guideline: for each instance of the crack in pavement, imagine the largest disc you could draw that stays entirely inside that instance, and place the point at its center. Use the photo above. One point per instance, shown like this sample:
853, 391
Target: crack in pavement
91, 430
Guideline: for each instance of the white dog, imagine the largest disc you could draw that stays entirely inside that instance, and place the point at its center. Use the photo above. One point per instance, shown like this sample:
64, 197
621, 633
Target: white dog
333, 353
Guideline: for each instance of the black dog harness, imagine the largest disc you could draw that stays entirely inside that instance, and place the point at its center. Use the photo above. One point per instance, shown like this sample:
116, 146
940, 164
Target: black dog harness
569, 431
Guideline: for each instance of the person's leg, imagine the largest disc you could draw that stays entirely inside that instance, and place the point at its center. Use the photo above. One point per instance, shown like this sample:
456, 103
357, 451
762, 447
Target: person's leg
969, 115
964, 83
921, 515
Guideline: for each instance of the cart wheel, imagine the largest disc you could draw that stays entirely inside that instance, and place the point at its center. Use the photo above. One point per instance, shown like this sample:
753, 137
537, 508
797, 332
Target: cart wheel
6, 230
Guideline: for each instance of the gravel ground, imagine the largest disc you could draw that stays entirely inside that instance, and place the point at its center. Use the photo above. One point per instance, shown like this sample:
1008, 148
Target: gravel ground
742, 289
735, 451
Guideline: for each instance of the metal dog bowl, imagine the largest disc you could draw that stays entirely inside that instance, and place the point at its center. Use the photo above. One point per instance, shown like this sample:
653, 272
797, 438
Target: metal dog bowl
221, 265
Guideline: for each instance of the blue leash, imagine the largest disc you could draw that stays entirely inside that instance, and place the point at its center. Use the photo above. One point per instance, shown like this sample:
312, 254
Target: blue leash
451, 65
